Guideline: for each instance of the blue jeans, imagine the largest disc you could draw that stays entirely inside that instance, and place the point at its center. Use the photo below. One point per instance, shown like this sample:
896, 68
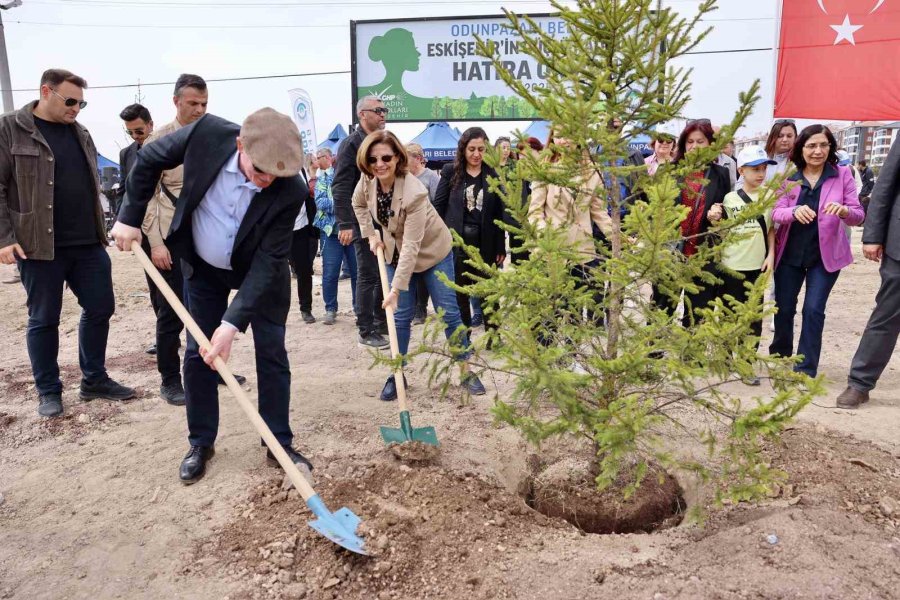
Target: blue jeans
442, 297
333, 254
88, 272
788, 281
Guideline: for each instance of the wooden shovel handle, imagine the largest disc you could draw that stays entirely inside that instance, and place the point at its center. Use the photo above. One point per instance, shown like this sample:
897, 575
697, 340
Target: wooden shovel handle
240, 395
392, 332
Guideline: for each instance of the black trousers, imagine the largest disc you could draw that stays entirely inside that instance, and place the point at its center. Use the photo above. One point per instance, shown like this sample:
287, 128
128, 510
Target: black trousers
692, 301
88, 272
370, 316
168, 325
462, 272
303, 253
207, 292
421, 296
880, 337
735, 287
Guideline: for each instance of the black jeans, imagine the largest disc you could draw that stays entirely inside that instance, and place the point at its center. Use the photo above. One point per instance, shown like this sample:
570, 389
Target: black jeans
207, 291
303, 253
168, 325
735, 287
88, 271
370, 316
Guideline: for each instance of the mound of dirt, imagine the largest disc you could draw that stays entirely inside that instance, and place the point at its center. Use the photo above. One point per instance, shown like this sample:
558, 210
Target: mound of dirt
430, 533
415, 452
566, 489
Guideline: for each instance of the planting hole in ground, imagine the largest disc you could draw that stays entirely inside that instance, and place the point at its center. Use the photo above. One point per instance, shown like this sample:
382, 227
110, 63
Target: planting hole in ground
566, 489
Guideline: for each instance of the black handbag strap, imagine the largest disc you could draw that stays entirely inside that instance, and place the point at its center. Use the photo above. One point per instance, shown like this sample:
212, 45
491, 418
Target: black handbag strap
172, 197
760, 219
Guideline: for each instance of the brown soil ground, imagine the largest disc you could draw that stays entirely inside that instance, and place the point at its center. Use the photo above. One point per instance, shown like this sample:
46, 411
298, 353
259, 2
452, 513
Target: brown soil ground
90, 505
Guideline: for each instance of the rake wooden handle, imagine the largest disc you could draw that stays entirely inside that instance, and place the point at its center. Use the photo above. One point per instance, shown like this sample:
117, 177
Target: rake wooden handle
240, 395
392, 332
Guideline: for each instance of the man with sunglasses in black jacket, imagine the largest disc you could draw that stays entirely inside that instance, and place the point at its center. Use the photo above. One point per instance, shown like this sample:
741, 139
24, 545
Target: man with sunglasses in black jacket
370, 317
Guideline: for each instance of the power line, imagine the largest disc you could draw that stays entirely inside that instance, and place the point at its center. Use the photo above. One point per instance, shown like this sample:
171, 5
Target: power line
158, 83
243, 5
138, 26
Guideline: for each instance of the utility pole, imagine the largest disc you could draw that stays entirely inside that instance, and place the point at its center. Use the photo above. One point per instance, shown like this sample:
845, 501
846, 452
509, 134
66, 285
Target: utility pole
5, 80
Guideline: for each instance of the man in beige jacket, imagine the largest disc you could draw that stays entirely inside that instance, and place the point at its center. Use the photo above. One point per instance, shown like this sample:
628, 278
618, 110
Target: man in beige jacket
190, 100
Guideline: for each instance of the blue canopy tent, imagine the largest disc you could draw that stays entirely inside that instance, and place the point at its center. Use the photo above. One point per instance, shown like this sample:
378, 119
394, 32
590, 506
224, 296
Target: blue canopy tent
539, 130
102, 162
439, 142
334, 139
642, 143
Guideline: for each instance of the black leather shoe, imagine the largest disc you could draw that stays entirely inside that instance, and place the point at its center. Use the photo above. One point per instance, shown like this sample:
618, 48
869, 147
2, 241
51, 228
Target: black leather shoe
193, 467
389, 391
173, 393
106, 390
151, 350
240, 379
297, 458
50, 405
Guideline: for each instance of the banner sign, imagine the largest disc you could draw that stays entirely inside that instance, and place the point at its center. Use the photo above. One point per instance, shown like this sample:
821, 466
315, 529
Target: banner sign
428, 69
302, 112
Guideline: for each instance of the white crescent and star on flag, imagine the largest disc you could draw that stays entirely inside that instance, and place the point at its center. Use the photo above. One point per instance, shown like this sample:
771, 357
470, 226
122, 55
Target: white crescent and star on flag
847, 29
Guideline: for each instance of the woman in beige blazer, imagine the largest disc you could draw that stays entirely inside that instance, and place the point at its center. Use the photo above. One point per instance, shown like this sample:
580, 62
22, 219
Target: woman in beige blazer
573, 212
416, 243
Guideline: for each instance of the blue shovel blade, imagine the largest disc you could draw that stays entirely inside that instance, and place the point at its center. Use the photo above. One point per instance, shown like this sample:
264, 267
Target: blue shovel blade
339, 526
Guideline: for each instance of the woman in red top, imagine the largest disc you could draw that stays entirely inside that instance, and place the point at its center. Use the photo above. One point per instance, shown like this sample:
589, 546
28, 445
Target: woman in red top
702, 191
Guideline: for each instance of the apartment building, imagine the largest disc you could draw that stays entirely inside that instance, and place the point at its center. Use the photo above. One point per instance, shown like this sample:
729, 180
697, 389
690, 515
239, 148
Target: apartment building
882, 138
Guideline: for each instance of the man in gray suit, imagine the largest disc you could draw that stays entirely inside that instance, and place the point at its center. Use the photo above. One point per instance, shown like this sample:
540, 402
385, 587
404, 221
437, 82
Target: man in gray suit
881, 242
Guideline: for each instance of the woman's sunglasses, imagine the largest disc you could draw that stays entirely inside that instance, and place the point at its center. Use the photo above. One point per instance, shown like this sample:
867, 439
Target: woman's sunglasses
70, 102
386, 159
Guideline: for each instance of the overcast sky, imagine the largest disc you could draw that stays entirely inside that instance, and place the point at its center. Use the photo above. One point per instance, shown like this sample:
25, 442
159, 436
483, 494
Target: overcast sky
116, 42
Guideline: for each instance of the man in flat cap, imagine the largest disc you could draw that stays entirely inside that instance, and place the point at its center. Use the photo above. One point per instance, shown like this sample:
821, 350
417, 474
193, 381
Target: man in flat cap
232, 230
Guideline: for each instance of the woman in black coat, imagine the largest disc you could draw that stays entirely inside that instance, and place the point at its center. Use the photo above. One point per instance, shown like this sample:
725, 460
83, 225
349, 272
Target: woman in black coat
469, 207
702, 193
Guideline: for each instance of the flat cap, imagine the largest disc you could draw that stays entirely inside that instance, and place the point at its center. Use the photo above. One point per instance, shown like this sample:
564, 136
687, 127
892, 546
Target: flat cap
272, 141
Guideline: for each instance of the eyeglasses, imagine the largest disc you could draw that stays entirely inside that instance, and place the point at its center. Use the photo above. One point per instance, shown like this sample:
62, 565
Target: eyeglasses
321, 156
134, 132
380, 111
811, 147
386, 159
70, 102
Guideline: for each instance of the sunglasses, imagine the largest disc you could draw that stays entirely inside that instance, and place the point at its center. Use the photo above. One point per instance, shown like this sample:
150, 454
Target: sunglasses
380, 111
134, 132
783, 122
386, 159
699, 122
70, 102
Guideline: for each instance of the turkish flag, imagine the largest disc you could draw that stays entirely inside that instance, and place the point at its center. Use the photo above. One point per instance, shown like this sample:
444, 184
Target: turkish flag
839, 60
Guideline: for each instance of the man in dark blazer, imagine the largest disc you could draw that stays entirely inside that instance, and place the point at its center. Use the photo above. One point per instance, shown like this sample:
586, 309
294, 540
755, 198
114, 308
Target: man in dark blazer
881, 242
138, 126
232, 230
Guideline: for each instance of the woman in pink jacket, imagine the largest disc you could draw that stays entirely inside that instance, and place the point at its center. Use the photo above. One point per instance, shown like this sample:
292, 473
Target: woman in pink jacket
810, 243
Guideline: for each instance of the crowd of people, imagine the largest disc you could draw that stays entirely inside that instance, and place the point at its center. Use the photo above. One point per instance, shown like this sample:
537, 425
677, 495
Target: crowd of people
220, 207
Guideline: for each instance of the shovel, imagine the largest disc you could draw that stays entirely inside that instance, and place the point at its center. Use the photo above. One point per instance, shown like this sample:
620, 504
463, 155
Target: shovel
340, 526
406, 433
